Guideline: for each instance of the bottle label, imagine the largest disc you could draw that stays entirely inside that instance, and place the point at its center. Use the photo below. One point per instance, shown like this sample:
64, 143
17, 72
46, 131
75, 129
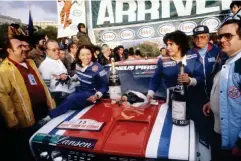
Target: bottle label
114, 78
115, 92
178, 110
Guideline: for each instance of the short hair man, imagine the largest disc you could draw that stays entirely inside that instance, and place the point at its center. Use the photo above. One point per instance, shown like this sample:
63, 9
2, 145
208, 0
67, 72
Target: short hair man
70, 56
235, 6
82, 35
24, 97
225, 97
207, 54
53, 71
163, 52
105, 57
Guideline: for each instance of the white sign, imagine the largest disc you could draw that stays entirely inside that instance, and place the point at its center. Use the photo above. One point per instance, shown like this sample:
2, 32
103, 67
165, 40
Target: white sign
108, 36
187, 27
70, 14
81, 124
127, 34
159, 9
212, 23
166, 28
146, 32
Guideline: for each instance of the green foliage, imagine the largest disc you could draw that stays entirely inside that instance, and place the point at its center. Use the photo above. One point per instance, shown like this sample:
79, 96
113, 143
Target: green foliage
149, 49
50, 31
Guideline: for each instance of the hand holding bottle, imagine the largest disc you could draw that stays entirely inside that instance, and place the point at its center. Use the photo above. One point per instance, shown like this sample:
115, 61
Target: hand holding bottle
183, 78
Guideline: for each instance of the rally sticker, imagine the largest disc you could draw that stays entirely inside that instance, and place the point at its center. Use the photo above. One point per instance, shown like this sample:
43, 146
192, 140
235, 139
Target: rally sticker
95, 68
82, 124
64, 140
233, 92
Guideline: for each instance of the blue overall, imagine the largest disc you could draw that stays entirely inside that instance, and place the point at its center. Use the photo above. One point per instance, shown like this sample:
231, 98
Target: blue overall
204, 125
168, 69
93, 79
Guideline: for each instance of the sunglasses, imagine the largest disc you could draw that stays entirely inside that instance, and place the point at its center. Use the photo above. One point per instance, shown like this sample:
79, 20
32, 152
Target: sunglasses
226, 36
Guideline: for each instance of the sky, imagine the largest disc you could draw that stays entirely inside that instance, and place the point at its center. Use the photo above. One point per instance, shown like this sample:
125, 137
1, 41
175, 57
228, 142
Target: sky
41, 10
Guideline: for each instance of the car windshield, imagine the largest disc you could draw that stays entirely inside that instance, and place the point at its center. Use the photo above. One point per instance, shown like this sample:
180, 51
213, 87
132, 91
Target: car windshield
136, 74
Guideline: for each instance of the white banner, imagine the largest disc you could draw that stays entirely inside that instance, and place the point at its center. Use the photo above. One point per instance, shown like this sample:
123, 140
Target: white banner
70, 14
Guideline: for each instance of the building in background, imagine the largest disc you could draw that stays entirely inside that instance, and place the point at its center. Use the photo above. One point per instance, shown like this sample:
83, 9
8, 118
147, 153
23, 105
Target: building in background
44, 24
9, 20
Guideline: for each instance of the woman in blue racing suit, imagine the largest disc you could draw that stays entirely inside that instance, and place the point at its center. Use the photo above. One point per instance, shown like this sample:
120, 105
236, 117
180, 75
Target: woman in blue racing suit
93, 82
168, 68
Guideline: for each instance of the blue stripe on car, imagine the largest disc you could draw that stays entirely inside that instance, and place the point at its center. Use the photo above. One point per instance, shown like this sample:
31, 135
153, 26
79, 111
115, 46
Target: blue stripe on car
165, 138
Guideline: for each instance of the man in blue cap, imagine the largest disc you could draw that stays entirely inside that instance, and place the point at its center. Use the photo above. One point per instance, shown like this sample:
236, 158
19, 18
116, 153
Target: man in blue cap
208, 54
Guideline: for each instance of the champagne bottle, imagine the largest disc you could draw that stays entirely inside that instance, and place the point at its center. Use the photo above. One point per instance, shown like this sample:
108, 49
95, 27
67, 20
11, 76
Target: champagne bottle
179, 104
114, 82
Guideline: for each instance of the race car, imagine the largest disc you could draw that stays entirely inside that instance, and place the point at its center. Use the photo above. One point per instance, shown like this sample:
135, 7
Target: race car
116, 132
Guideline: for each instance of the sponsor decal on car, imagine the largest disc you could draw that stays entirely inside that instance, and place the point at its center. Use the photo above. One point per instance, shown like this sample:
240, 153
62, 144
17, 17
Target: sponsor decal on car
65, 141
82, 124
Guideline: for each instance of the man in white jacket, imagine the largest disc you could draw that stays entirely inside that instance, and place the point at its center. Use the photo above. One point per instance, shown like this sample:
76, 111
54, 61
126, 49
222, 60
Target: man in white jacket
54, 73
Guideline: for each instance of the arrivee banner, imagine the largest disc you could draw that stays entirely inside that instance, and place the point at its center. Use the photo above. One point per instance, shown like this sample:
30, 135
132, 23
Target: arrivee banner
70, 14
137, 20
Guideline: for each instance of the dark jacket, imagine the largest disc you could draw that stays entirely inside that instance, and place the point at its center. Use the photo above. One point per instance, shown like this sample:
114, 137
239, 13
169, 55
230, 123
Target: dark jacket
209, 62
83, 39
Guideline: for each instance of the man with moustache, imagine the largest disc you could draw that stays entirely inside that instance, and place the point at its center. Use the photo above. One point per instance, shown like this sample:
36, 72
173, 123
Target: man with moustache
24, 99
225, 98
38, 53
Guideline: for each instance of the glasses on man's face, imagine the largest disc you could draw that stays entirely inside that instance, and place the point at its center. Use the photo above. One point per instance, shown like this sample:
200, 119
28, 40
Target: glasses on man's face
54, 50
226, 36
200, 37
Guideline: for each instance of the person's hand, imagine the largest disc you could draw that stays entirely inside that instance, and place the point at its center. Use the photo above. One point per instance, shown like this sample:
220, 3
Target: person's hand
206, 109
92, 98
149, 98
44, 120
183, 78
63, 76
